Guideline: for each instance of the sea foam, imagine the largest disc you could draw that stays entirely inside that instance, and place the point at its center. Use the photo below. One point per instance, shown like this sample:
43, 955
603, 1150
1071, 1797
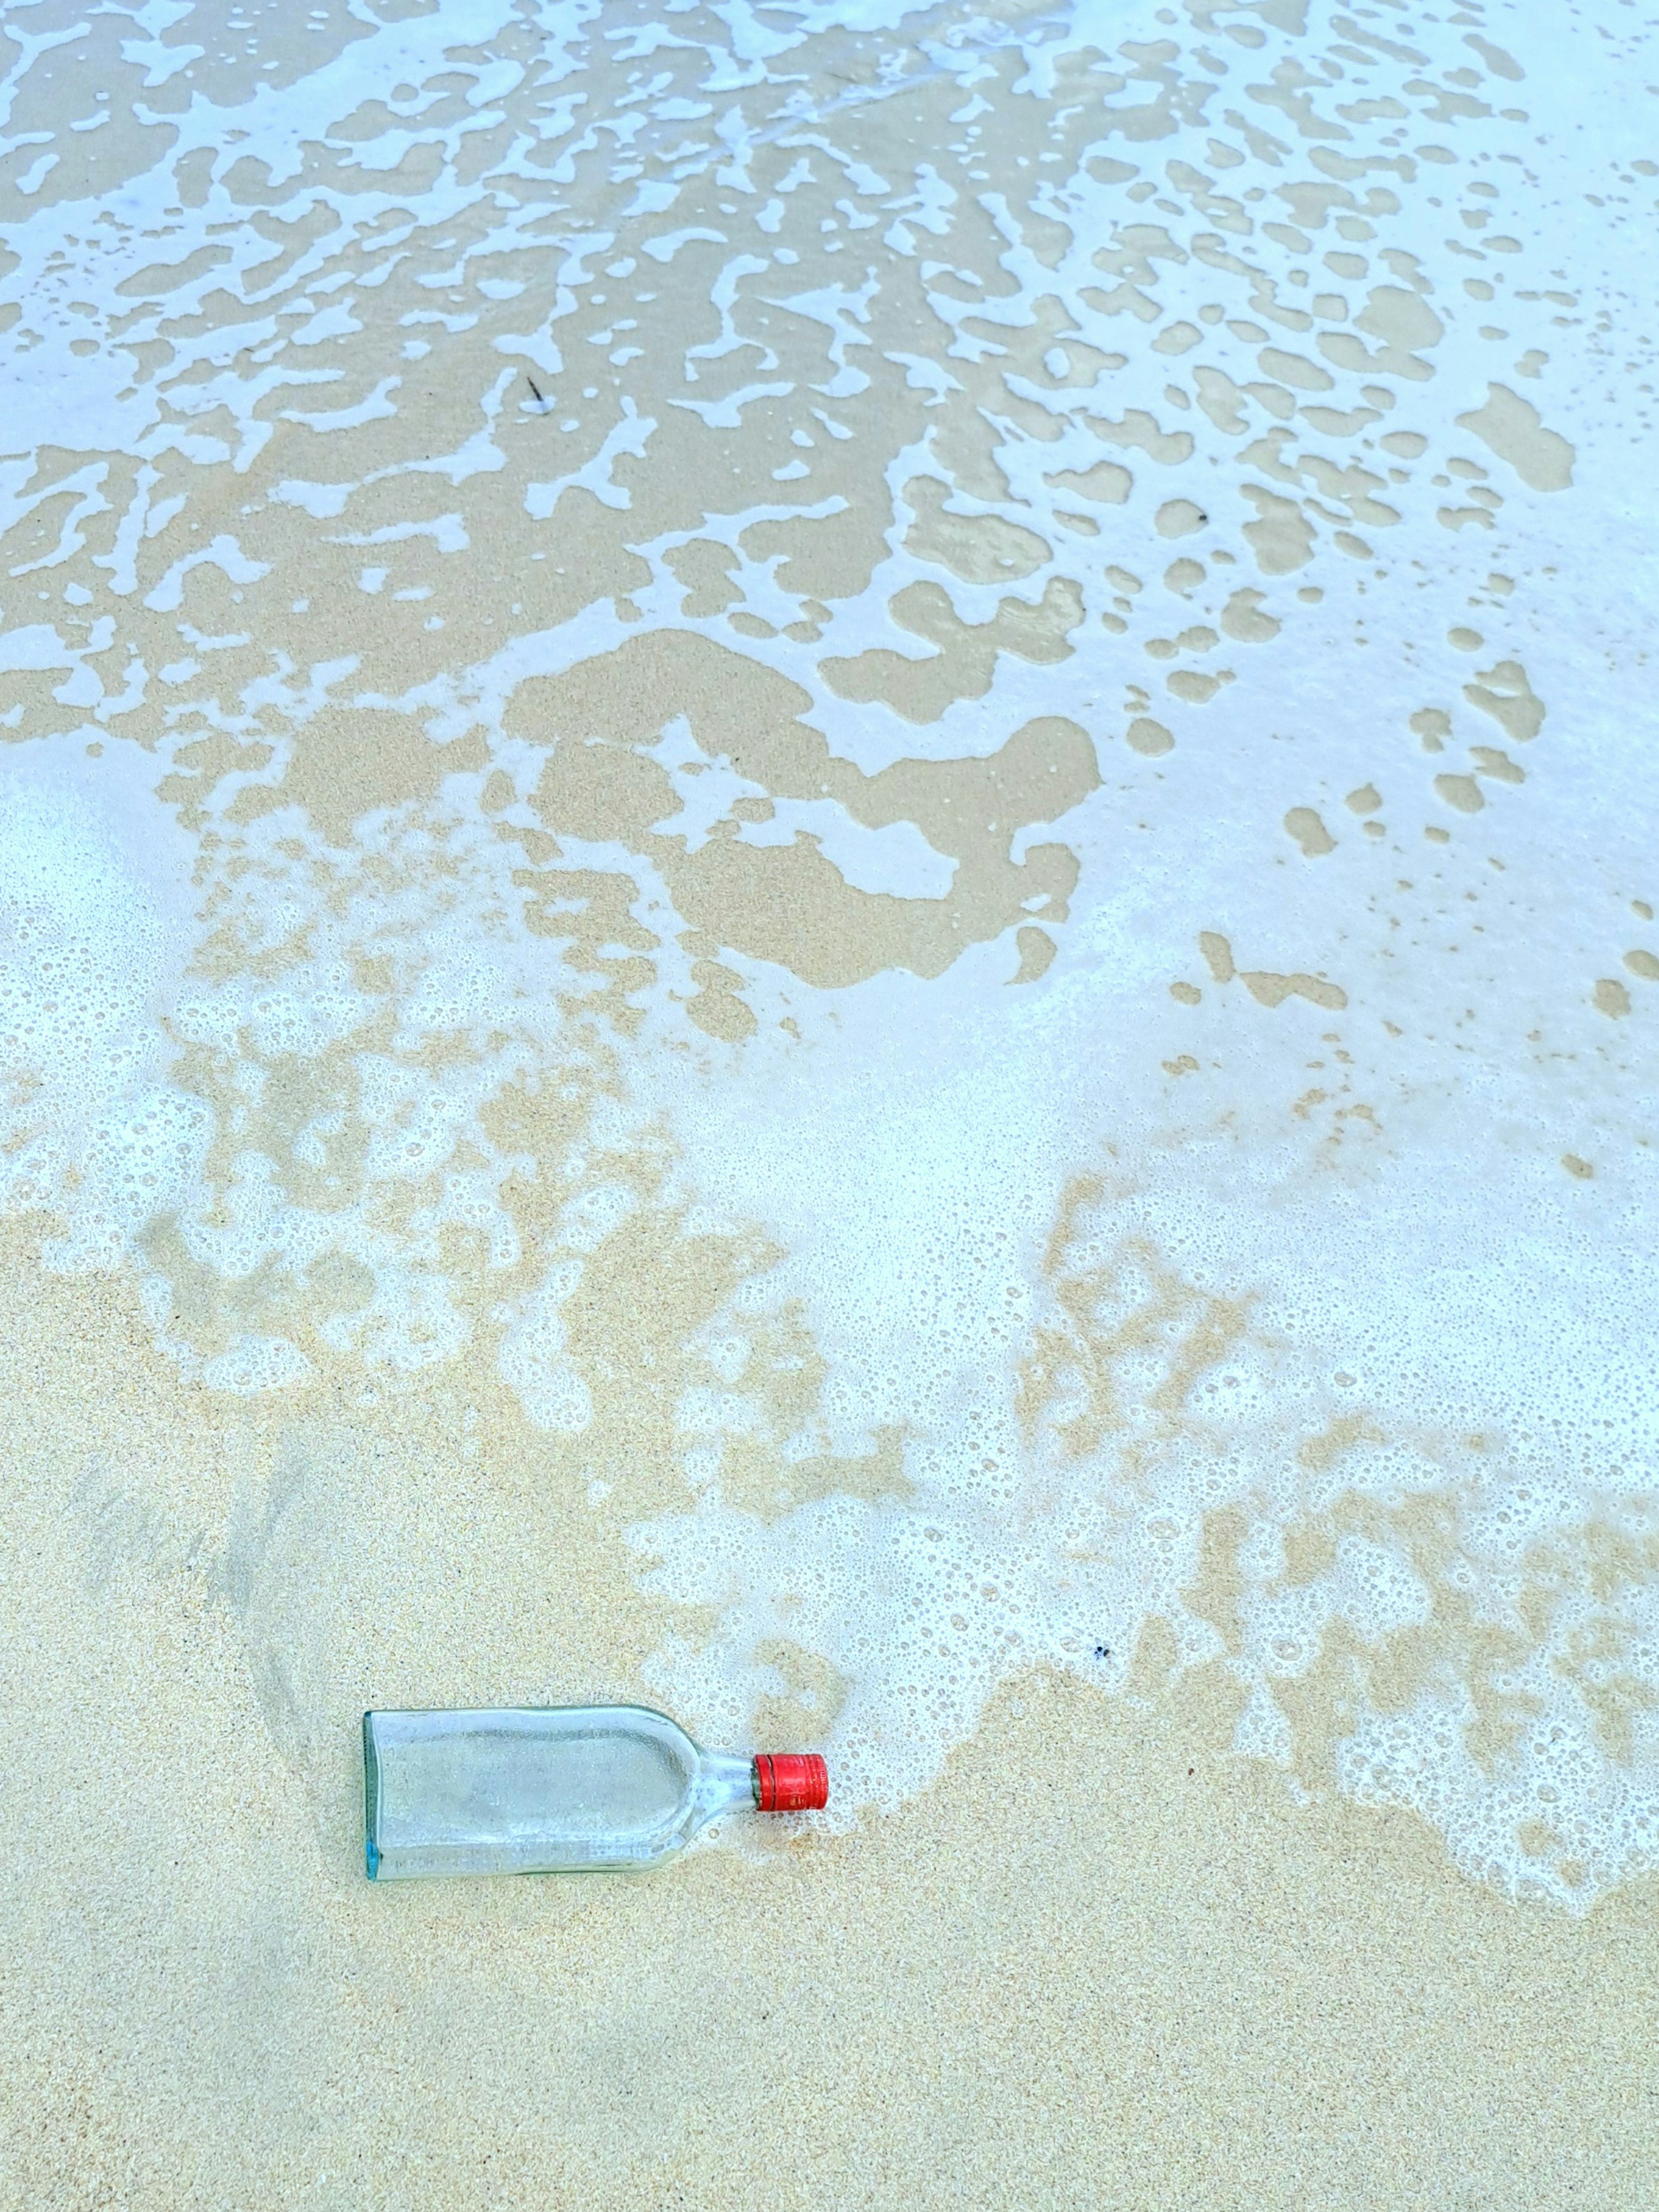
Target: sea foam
899, 760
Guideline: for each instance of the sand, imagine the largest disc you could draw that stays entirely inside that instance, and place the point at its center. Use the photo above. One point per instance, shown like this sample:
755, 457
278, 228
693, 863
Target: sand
825, 897
1100, 1962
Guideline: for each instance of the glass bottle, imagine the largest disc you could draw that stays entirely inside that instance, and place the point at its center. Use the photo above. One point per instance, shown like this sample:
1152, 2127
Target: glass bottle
556, 1788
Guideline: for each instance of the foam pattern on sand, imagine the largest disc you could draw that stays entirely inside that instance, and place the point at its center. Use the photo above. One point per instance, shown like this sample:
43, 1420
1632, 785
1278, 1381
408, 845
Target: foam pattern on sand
898, 762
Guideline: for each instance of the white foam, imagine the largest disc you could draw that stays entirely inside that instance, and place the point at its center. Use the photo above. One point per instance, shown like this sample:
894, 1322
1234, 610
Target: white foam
1334, 1290
95, 924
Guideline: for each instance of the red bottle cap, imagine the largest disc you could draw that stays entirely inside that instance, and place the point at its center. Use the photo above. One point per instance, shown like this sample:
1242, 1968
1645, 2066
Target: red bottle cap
791, 1782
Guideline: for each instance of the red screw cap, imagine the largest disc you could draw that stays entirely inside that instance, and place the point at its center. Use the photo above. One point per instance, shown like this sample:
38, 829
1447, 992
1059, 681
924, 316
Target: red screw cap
791, 1782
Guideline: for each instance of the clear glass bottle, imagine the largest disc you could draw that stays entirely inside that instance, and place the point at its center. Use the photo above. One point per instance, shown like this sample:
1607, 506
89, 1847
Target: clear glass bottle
556, 1788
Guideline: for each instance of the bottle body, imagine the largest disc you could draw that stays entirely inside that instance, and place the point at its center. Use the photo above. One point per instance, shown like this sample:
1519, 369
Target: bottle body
552, 1790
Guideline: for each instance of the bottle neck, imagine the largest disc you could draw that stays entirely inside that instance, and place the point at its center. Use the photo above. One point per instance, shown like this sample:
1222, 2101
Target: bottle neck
724, 1783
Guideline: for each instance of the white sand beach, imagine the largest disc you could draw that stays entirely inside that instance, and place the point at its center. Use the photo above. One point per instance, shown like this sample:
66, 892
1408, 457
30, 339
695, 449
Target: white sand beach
827, 896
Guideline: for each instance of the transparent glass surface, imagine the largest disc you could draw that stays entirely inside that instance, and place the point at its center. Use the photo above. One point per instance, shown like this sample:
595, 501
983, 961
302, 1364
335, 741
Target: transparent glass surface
537, 1790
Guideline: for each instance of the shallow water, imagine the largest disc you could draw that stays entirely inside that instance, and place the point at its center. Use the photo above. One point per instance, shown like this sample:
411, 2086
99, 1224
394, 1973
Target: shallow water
891, 769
